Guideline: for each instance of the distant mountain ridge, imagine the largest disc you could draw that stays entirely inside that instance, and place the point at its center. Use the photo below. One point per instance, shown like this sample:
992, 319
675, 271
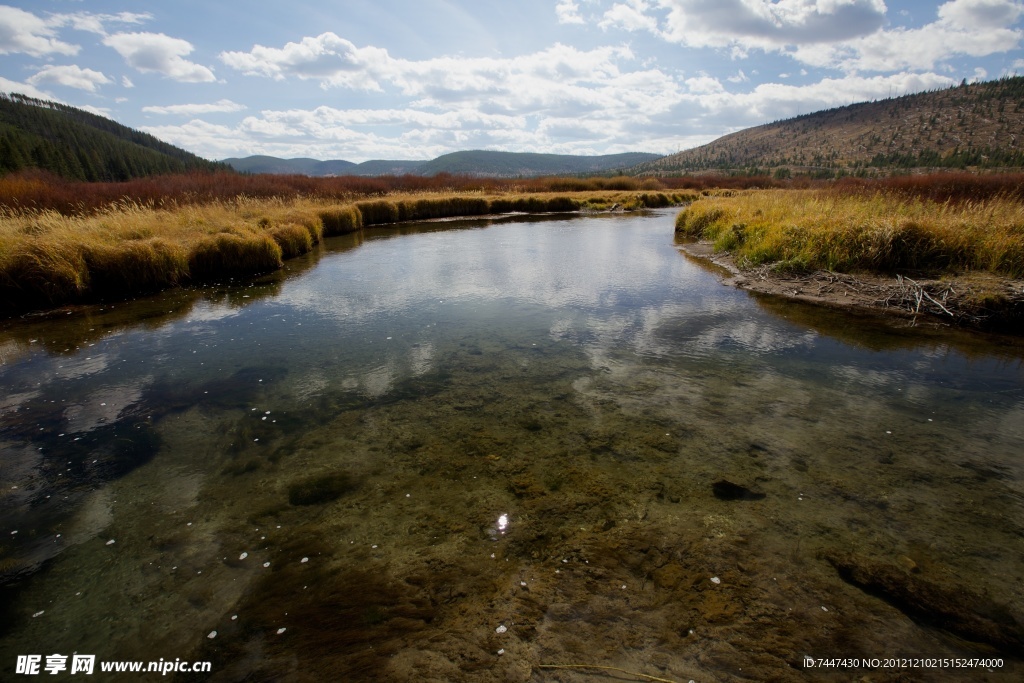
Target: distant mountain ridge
513, 164
77, 144
969, 126
474, 162
315, 167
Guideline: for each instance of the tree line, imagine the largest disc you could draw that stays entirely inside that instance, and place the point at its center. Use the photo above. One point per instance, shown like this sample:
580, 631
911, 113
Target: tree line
79, 145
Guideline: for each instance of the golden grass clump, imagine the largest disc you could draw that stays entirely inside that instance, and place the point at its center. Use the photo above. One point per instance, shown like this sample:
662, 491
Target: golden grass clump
294, 239
883, 232
378, 212
442, 207
340, 220
560, 204
309, 218
231, 255
46, 272
135, 266
534, 204
655, 200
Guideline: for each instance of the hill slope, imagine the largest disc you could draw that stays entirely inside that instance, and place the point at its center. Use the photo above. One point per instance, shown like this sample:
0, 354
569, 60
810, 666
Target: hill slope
969, 126
512, 164
376, 167
77, 144
274, 165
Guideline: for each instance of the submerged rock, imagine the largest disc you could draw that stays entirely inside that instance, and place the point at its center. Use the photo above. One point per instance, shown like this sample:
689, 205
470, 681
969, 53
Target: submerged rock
726, 490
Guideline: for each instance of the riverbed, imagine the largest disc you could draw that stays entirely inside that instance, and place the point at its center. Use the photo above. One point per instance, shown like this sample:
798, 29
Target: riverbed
470, 450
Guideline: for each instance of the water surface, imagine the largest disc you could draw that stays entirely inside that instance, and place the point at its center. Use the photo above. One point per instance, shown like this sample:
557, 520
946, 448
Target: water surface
458, 451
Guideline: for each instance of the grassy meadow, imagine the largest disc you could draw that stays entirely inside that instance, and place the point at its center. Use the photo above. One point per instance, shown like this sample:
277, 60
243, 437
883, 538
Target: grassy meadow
906, 226
50, 257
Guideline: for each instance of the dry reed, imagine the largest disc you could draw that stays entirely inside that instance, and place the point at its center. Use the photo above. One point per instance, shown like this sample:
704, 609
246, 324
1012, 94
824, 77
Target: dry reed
882, 232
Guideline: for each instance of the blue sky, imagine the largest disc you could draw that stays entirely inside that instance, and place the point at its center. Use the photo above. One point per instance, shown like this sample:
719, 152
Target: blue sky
384, 79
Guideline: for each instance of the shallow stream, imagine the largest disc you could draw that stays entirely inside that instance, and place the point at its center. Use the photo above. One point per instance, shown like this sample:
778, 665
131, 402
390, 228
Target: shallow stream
460, 451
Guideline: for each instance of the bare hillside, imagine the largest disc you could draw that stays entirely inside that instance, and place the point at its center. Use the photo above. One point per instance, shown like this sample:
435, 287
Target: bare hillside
969, 126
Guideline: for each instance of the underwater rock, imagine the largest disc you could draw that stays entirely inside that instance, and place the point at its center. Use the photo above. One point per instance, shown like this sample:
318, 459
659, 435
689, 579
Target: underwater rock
320, 489
726, 490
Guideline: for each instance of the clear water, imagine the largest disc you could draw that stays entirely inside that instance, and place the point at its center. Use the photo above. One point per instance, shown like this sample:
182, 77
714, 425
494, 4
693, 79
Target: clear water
470, 449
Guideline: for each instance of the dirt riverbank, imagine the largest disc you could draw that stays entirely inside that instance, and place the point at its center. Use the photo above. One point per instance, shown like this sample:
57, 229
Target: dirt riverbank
973, 300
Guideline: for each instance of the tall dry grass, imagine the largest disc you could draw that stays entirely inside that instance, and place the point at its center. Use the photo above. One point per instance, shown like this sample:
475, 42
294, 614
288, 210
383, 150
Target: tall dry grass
38, 190
48, 258
860, 231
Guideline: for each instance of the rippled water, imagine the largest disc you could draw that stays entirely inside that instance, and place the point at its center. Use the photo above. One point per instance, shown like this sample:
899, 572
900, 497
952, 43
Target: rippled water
464, 450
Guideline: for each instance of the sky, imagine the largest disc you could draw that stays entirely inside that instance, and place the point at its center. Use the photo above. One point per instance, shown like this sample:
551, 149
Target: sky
391, 79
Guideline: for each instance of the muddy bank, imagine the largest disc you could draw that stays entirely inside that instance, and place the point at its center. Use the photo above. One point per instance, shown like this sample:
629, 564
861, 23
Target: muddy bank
971, 300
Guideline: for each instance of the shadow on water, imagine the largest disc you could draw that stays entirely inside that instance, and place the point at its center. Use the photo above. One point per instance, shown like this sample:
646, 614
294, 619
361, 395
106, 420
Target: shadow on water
70, 330
876, 332
67, 465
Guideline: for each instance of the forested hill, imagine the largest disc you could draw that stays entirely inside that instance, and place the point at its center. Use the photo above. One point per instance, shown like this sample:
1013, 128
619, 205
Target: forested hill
970, 126
473, 163
83, 146
513, 164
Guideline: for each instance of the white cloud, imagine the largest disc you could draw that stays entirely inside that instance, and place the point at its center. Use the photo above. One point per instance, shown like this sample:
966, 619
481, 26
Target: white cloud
558, 81
24, 32
95, 23
256, 136
976, 28
410, 133
843, 34
775, 101
568, 12
219, 106
159, 53
99, 111
704, 85
769, 24
10, 86
70, 76
980, 14
328, 58
207, 139
127, 82
630, 16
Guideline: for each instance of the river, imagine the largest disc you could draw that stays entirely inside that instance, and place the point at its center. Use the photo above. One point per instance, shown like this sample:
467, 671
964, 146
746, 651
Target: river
466, 450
